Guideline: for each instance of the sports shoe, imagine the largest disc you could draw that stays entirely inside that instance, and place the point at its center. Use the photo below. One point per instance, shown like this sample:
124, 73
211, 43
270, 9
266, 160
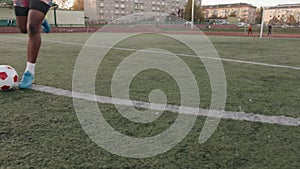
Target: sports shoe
26, 81
46, 26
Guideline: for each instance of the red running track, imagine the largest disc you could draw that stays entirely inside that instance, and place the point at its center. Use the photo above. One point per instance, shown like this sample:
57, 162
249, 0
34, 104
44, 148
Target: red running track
94, 29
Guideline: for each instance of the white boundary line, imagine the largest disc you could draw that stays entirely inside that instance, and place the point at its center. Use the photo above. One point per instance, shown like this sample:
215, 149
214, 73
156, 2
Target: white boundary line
186, 55
241, 116
281, 120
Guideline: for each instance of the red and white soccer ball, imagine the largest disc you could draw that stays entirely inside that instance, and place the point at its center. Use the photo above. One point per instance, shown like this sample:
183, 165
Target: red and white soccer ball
8, 77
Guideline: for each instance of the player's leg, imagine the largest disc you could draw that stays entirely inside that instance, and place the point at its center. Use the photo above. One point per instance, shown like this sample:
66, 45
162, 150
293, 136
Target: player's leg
21, 17
46, 26
36, 14
34, 22
35, 19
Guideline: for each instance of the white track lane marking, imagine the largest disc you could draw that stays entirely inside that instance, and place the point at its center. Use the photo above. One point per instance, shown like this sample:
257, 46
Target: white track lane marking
241, 116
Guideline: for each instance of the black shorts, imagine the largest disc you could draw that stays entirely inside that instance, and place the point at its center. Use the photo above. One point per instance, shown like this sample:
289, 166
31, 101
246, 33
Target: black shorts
22, 9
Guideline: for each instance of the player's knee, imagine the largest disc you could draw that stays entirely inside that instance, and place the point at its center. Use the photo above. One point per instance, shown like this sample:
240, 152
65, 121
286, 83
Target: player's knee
24, 31
33, 28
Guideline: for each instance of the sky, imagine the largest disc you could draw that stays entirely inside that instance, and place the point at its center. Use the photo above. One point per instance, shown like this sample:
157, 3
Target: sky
256, 3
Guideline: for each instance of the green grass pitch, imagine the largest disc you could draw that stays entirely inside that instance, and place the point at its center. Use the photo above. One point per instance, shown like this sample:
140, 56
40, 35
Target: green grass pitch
41, 130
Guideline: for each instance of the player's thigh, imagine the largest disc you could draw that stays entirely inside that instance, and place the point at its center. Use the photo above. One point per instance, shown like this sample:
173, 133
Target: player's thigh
35, 19
21, 17
37, 11
40, 5
22, 23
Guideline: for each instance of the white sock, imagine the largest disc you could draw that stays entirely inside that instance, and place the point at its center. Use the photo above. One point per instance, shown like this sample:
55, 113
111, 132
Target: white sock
30, 67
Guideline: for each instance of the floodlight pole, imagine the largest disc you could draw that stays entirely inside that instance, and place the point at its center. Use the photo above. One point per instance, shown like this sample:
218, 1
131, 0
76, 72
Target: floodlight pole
193, 10
262, 23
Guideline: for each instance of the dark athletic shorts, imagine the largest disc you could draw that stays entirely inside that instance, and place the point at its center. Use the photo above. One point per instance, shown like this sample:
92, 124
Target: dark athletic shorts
23, 6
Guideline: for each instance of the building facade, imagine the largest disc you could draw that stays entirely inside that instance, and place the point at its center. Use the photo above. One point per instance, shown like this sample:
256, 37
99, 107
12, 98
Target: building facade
284, 14
101, 11
242, 11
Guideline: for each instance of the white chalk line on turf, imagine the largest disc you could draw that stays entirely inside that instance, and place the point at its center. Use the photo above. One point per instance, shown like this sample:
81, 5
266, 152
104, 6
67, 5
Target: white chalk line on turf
241, 116
186, 55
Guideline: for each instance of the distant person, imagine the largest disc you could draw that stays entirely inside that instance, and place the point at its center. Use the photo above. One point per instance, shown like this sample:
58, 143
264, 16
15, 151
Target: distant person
269, 30
250, 29
29, 15
9, 22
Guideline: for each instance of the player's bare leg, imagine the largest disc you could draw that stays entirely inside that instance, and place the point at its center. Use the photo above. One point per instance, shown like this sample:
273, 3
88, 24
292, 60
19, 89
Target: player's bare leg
30, 15
22, 23
34, 22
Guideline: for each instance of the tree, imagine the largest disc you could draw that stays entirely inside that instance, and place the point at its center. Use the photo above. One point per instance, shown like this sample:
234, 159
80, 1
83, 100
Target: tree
258, 18
213, 16
78, 5
199, 14
62, 3
291, 20
188, 12
274, 20
232, 14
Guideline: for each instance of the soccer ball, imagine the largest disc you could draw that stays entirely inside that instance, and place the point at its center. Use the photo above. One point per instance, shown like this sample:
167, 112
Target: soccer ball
8, 77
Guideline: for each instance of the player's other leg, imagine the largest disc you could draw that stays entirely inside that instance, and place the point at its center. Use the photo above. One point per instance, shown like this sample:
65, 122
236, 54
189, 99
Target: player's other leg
21, 18
36, 15
46, 26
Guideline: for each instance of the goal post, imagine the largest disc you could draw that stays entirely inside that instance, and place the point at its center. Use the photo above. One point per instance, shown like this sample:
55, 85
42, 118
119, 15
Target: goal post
193, 14
262, 22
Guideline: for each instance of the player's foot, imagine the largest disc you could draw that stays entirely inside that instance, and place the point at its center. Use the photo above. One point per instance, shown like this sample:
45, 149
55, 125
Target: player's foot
46, 26
26, 81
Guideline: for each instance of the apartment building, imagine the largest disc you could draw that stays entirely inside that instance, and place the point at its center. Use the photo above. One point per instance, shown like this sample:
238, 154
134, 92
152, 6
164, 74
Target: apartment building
243, 11
282, 14
108, 10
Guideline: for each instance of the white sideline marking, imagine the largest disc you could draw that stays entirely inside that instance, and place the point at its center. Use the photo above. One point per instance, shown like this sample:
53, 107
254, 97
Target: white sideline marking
204, 57
186, 55
241, 116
